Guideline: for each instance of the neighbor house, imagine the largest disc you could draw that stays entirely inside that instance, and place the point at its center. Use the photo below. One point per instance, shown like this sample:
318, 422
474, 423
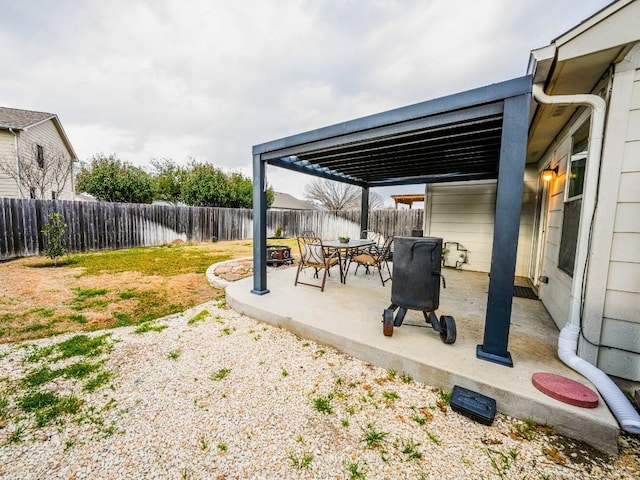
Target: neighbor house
284, 201
579, 240
36, 157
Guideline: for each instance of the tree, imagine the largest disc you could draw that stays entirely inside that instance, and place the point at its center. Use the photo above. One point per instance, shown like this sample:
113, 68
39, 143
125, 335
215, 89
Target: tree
167, 177
55, 231
38, 169
339, 196
111, 180
376, 201
207, 186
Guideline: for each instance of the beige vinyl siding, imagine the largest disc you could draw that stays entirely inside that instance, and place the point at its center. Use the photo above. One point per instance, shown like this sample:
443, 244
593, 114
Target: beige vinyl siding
465, 213
621, 319
47, 135
7, 154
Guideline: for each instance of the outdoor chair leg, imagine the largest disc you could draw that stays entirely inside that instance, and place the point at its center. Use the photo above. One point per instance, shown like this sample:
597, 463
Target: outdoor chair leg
298, 274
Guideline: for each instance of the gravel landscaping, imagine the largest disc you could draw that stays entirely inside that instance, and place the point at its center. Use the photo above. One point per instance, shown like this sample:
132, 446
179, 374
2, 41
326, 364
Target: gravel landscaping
212, 394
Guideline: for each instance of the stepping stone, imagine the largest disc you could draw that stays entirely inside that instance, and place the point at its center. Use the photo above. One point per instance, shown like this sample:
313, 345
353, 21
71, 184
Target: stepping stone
565, 389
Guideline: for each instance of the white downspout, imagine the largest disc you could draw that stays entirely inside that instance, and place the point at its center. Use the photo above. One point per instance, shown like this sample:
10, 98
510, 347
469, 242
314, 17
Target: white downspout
17, 150
618, 403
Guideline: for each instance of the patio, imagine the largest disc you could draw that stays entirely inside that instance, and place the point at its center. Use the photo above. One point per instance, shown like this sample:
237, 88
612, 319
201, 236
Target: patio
348, 317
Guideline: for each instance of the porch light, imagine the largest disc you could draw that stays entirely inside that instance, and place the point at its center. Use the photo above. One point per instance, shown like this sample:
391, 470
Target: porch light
549, 173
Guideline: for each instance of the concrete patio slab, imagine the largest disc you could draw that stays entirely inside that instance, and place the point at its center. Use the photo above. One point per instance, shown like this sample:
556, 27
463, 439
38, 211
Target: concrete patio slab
348, 317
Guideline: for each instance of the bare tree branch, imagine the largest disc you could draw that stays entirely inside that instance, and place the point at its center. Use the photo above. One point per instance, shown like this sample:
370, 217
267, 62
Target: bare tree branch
339, 196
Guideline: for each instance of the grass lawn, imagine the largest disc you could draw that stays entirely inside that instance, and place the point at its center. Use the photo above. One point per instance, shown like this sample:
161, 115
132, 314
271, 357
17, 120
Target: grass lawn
108, 289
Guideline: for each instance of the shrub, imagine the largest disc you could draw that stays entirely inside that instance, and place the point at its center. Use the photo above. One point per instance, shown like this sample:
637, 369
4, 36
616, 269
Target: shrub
55, 231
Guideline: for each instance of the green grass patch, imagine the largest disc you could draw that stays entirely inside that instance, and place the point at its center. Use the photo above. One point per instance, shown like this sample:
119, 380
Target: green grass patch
4, 406
302, 462
127, 294
83, 345
200, 317
149, 327
39, 377
49, 406
220, 374
323, 404
37, 327
123, 319
83, 294
42, 312
78, 318
6, 317
98, 381
373, 438
80, 369
390, 395
445, 397
166, 261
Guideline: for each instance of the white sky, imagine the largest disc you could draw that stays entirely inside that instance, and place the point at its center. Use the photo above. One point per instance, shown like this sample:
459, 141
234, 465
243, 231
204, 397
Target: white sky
211, 78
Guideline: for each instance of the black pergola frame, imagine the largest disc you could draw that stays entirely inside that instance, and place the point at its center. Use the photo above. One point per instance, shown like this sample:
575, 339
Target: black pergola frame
473, 135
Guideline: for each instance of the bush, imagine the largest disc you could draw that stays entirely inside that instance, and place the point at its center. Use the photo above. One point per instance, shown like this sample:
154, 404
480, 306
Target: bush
55, 231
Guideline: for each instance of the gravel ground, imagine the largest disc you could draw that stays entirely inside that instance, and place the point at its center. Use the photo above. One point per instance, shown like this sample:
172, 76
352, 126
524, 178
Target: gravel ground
221, 396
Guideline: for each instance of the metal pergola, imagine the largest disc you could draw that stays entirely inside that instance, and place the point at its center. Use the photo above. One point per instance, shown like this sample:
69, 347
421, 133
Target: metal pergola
473, 135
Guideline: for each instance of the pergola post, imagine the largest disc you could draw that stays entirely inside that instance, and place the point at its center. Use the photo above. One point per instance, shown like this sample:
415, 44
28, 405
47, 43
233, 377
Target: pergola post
364, 210
259, 226
505, 232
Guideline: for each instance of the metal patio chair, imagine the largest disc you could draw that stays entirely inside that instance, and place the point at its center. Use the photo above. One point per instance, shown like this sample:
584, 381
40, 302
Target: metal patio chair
375, 260
313, 255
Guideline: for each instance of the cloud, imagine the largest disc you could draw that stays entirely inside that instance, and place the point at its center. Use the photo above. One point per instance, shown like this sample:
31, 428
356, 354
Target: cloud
211, 78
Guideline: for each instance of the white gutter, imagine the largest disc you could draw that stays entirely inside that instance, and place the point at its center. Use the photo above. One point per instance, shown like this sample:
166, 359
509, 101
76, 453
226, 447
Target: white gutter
17, 150
618, 403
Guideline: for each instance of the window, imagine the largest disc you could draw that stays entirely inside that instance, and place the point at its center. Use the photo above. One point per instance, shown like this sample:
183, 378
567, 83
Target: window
578, 161
54, 195
40, 155
573, 198
32, 193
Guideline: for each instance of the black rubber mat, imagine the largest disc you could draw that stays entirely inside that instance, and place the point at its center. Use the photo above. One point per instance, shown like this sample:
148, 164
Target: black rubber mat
524, 292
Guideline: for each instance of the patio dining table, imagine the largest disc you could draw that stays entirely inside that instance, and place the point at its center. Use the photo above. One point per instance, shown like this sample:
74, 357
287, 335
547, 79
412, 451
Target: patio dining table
347, 249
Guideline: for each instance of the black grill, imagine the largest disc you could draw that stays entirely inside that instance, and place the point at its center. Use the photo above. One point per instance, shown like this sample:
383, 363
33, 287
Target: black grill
416, 285
416, 273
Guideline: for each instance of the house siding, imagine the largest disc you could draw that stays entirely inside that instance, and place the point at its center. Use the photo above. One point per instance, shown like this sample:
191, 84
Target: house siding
45, 134
7, 154
465, 213
621, 316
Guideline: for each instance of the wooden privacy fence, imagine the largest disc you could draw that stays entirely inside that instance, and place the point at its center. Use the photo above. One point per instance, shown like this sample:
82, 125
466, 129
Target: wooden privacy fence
109, 226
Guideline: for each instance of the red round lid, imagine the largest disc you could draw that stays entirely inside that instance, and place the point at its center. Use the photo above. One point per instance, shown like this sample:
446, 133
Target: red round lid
565, 389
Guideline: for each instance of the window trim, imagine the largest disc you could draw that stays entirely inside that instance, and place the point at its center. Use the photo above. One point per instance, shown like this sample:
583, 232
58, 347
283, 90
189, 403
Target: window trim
572, 157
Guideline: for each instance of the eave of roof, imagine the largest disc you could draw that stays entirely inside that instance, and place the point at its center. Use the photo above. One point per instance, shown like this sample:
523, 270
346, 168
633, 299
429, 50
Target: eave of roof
574, 63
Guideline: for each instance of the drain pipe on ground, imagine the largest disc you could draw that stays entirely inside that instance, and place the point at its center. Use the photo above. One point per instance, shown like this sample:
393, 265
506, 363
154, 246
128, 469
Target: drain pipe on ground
617, 402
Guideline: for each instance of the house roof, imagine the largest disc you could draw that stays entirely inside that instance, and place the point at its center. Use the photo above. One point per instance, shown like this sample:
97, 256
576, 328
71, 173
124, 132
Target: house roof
447, 139
17, 119
285, 201
21, 119
575, 62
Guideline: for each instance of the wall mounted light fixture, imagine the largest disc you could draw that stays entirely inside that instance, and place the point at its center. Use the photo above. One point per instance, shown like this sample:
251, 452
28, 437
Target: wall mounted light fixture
549, 173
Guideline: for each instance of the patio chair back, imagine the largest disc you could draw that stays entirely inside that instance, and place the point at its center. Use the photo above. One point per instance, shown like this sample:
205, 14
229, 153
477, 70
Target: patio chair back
375, 259
313, 255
